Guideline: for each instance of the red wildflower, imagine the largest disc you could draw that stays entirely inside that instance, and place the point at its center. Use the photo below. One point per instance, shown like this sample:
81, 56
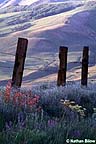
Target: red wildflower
33, 101
37, 98
8, 91
17, 98
30, 93
0, 93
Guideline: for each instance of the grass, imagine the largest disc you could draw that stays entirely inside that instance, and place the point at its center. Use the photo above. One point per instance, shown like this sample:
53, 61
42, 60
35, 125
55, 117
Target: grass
18, 18
47, 114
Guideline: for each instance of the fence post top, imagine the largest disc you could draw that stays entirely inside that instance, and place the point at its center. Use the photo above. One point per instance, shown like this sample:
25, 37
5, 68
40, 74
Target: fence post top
22, 39
86, 47
63, 49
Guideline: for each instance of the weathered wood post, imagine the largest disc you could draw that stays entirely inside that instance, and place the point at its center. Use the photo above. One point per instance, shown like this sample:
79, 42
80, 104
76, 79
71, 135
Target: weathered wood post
84, 74
61, 80
19, 62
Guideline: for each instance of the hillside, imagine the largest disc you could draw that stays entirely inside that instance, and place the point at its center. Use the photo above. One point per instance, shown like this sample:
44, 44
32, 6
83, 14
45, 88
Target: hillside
40, 112
71, 24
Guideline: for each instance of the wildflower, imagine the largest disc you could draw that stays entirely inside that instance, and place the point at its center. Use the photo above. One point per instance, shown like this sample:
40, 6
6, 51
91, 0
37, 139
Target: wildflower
94, 110
39, 109
8, 91
66, 102
37, 97
52, 123
71, 107
76, 133
33, 101
74, 107
18, 94
72, 102
82, 113
62, 100
8, 125
84, 109
0, 93
0, 97
30, 102
94, 116
29, 93
17, 98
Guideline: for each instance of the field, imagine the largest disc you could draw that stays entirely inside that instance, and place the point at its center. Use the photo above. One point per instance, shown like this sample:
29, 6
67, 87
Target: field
75, 28
40, 112
48, 114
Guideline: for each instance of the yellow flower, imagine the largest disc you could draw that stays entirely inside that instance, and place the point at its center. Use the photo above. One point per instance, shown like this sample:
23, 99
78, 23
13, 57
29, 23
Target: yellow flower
94, 110
72, 107
77, 107
61, 100
72, 102
66, 102
84, 109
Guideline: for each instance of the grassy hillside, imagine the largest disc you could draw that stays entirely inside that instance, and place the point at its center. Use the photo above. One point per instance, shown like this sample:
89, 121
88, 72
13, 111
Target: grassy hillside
40, 112
73, 28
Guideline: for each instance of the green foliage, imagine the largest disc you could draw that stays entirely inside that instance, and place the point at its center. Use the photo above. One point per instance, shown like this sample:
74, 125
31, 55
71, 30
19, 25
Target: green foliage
2, 121
55, 135
49, 121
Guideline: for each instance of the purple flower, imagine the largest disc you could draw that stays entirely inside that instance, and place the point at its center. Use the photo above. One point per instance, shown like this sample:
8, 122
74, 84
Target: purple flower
52, 123
76, 133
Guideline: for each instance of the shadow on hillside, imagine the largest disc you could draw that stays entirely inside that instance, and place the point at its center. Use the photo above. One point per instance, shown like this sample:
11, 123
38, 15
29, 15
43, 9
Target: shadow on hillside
45, 72
52, 70
40, 74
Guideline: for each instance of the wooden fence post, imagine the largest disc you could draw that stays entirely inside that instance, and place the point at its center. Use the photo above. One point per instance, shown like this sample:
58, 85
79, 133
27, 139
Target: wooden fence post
19, 62
84, 74
61, 80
